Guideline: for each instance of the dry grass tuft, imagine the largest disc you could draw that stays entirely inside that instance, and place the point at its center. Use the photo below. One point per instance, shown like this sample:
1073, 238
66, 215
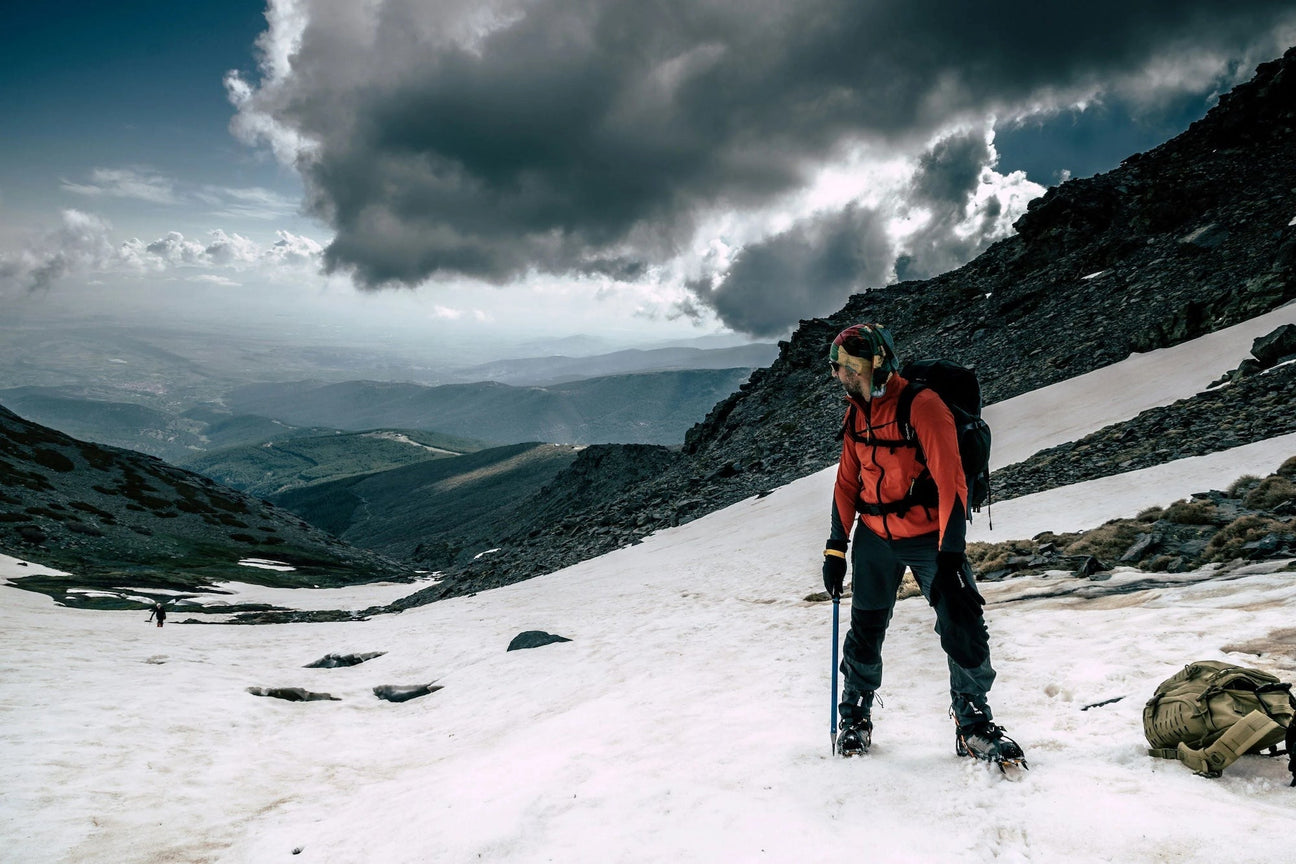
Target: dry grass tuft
1228, 541
1191, 513
1108, 542
1270, 492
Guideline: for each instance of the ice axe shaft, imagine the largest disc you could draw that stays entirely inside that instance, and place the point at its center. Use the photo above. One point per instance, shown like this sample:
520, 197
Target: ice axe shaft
832, 708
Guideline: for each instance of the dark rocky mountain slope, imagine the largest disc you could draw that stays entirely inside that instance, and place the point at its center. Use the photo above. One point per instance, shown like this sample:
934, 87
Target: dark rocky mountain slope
1188, 238
119, 518
437, 513
1256, 407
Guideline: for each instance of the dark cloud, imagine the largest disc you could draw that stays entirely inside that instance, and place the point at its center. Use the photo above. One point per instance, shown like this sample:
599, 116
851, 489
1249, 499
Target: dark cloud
800, 273
937, 248
949, 172
557, 135
813, 268
948, 175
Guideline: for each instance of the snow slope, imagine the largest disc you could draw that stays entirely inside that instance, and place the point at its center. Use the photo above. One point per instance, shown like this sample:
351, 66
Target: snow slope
686, 721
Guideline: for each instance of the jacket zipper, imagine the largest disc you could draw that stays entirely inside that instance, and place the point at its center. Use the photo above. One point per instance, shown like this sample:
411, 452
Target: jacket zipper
877, 491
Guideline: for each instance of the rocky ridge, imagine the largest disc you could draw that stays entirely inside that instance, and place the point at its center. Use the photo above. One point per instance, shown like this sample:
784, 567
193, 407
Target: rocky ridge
1252, 408
1253, 520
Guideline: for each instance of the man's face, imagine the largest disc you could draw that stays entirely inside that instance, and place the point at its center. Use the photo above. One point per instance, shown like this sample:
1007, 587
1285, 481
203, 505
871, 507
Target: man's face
854, 383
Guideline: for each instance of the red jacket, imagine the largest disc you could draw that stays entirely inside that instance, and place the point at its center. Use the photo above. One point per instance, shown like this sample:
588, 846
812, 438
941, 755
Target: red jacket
870, 473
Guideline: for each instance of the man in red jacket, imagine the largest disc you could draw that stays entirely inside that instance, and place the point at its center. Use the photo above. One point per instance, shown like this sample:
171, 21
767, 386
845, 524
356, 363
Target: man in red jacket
905, 497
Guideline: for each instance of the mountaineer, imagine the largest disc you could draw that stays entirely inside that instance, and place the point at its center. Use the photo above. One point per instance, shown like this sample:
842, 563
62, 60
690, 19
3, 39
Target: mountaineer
901, 488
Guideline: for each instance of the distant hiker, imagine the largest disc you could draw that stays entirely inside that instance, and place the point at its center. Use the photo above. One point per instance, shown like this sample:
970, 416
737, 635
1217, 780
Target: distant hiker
877, 475
158, 612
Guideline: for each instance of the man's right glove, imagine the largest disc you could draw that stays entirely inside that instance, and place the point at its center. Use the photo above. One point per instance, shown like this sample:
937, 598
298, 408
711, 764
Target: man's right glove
963, 636
834, 567
952, 585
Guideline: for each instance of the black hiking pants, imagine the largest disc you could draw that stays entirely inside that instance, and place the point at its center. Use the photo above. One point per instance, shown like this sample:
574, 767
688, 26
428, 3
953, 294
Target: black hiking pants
878, 565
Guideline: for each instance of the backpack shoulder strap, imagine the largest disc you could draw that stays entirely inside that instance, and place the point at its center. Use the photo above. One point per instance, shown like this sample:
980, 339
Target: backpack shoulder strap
904, 410
848, 428
848, 422
1228, 748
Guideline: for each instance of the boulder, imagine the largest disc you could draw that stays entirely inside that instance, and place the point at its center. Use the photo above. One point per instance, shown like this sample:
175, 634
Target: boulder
333, 661
1275, 345
404, 692
1141, 546
1091, 567
292, 694
534, 639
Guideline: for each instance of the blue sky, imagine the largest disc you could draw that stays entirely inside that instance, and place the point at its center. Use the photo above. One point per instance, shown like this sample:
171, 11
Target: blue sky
647, 170
117, 86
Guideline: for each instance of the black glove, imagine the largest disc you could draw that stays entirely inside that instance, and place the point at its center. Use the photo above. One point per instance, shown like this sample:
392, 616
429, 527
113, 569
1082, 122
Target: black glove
834, 567
953, 587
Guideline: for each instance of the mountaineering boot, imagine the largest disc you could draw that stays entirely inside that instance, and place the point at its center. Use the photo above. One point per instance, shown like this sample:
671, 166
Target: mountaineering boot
855, 739
987, 742
856, 724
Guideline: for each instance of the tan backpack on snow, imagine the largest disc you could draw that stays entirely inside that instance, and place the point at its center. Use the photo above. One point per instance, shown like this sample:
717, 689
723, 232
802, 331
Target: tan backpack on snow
1210, 713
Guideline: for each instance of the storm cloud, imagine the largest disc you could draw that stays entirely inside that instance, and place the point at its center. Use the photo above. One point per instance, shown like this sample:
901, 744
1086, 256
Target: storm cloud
812, 268
492, 140
957, 225
800, 273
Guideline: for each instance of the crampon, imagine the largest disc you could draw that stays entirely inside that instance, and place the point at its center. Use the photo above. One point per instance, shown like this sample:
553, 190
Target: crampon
986, 742
855, 739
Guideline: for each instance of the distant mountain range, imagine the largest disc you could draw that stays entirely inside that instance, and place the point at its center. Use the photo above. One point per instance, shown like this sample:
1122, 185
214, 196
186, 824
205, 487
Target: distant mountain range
646, 408
157, 401
114, 517
167, 434
542, 371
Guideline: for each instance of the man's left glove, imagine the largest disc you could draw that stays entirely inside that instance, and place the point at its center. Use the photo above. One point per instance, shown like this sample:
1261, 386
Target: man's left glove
952, 586
834, 567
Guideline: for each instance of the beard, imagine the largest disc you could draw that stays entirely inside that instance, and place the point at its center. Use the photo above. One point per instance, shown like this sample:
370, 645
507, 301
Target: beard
857, 389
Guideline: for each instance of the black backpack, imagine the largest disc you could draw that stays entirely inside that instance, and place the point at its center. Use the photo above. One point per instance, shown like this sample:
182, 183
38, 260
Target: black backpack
961, 392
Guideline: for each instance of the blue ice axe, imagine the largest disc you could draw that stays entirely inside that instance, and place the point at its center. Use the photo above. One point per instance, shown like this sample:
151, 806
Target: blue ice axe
832, 709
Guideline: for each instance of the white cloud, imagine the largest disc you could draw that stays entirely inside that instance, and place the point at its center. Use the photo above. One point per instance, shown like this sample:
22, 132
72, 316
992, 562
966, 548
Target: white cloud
231, 249
83, 245
175, 250
142, 184
252, 202
234, 251
258, 103
214, 279
80, 244
294, 249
